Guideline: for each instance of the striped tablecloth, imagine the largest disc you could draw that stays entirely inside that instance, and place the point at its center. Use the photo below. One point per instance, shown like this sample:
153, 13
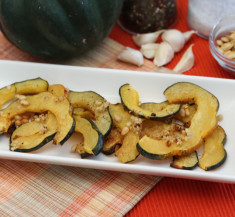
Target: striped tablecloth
34, 189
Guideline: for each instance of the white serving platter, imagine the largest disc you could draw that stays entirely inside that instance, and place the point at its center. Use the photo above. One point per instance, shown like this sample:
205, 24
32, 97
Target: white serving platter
107, 82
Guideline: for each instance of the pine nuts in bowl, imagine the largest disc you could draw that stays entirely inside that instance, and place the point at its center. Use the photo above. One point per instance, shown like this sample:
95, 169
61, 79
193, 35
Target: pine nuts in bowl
222, 43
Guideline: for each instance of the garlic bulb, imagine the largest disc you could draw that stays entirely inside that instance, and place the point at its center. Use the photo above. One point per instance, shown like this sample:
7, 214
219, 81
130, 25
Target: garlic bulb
175, 38
164, 54
146, 38
188, 34
186, 62
131, 56
149, 50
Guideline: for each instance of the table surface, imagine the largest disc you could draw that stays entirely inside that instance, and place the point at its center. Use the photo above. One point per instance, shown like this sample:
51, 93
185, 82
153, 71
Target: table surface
181, 197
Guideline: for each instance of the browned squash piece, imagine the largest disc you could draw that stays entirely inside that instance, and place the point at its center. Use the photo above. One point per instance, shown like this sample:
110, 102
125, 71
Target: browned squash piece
97, 105
112, 140
203, 122
130, 100
58, 90
84, 113
92, 138
27, 87
129, 127
40, 103
6, 94
187, 162
214, 153
128, 152
31, 86
34, 135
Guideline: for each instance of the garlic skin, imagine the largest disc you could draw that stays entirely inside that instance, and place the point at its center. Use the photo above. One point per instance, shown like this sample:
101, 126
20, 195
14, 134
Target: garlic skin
164, 54
188, 34
149, 50
146, 38
175, 38
186, 62
163, 69
130, 55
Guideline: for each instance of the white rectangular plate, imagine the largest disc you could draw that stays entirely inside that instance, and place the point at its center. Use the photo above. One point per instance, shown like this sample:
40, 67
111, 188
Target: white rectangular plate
107, 82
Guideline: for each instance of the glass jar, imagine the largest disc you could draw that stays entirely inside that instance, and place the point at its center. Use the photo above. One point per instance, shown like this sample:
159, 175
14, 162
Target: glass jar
142, 16
203, 14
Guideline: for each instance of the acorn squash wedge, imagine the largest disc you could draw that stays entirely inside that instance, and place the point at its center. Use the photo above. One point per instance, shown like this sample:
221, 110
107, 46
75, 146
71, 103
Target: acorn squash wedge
84, 113
92, 138
6, 94
129, 127
130, 100
202, 124
214, 153
27, 87
95, 103
112, 140
40, 103
34, 135
187, 162
31, 86
58, 90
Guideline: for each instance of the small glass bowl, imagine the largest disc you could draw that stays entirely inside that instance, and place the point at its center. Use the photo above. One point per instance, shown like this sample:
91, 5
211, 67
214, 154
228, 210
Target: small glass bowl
222, 28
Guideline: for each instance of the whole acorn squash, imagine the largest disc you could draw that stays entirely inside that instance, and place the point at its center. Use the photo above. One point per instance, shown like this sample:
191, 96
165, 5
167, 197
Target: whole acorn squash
57, 29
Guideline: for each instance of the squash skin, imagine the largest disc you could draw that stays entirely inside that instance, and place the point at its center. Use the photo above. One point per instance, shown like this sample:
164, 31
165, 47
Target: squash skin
203, 123
57, 29
154, 111
30, 134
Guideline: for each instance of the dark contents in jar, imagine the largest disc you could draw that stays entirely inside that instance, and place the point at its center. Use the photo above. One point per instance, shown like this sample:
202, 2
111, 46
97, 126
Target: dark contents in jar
141, 16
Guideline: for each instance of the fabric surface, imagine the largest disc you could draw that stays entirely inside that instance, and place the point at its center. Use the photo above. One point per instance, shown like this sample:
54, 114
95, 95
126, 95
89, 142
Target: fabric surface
31, 189
181, 197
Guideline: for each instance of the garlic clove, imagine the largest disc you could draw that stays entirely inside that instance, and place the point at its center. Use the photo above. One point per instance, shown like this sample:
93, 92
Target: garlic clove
188, 34
146, 38
164, 54
175, 38
149, 50
186, 62
163, 69
132, 56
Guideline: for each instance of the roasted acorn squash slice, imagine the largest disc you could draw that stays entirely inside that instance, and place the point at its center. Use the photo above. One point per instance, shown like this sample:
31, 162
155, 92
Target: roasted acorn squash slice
58, 90
130, 127
39, 103
92, 138
97, 105
26, 87
31, 86
187, 162
33, 135
6, 94
214, 153
203, 122
130, 100
84, 113
112, 140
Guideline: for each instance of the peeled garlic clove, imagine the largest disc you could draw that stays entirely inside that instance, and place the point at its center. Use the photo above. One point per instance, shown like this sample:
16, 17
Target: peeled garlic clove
186, 62
131, 56
149, 50
146, 38
175, 38
164, 54
163, 69
188, 34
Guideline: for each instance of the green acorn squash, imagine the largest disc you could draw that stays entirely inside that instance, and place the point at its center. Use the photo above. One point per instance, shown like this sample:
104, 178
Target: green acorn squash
57, 29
